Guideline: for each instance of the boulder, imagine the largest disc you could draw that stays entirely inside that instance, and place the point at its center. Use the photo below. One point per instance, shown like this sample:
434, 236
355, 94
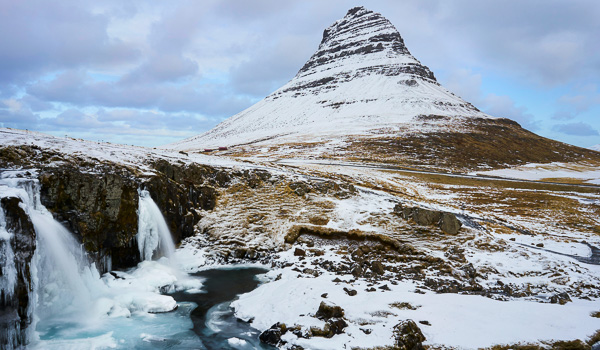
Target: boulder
377, 267
450, 224
327, 311
350, 292
560, 298
408, 336
332, 327
336, 326
426, 217
299, 252
357, 271
272, 336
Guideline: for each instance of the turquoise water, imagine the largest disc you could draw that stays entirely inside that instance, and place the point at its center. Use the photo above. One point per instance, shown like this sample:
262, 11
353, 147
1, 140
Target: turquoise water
201, 321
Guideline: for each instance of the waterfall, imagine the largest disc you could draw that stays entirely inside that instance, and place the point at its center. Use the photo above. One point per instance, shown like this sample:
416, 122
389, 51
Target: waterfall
70, 304
154, 238
64, 281
66, 267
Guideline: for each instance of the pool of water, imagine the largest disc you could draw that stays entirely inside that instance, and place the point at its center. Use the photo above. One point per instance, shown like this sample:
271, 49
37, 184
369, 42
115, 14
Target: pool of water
201, 321
213, 319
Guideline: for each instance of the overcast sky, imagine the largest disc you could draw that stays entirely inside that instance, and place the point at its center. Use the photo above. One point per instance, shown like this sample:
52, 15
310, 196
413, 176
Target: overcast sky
150, 73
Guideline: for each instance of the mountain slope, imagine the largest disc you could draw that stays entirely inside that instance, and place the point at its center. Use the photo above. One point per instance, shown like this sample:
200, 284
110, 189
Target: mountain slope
363, 96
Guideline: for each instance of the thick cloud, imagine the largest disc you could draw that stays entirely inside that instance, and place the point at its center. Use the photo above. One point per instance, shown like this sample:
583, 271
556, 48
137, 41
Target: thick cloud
116, 66
39, 36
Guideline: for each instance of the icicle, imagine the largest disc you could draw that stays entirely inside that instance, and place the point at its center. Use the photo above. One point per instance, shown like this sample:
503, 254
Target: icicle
8, 277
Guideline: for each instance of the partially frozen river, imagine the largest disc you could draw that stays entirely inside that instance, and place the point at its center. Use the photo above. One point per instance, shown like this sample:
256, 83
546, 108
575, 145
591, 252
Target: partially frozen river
213, 319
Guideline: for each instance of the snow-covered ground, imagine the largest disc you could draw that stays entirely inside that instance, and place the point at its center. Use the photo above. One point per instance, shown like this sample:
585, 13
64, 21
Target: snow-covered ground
463, 321
536, 267
586, 173
139, 157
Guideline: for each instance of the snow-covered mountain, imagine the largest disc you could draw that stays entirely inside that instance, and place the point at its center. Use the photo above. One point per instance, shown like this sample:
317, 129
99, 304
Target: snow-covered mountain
361, 80
363, 97
595, 148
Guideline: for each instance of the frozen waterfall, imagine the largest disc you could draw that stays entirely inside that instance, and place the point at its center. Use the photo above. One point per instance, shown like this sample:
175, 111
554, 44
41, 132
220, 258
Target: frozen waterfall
154, 238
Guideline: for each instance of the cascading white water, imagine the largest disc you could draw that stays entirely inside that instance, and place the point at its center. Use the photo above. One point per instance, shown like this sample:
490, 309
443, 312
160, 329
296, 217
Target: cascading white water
60, 260
65, 267
73, 306
154, 238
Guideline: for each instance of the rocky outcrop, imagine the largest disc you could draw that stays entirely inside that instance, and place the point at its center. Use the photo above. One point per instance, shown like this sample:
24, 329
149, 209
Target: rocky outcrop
296, 231
447, 222
338, 190
15, 306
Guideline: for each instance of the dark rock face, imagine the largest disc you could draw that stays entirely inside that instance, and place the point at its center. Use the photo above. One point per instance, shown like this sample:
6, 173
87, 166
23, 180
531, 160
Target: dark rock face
99, 208
15, 314
178, 203
408, 336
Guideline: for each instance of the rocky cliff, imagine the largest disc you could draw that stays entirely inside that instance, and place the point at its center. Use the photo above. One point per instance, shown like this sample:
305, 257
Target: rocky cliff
15, 310
98, 202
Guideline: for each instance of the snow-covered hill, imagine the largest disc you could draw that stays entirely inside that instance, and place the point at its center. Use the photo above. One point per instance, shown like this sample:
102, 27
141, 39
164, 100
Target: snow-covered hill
595, 148
362, 80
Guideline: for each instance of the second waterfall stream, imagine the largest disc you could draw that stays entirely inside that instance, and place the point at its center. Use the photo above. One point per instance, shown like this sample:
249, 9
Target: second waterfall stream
154, 238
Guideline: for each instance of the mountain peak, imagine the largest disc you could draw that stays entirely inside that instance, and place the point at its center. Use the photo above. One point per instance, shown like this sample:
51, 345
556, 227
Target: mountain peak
366, 36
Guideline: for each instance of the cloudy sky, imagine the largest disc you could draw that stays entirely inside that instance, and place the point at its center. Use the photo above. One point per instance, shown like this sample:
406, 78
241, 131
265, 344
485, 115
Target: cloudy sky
153, 72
